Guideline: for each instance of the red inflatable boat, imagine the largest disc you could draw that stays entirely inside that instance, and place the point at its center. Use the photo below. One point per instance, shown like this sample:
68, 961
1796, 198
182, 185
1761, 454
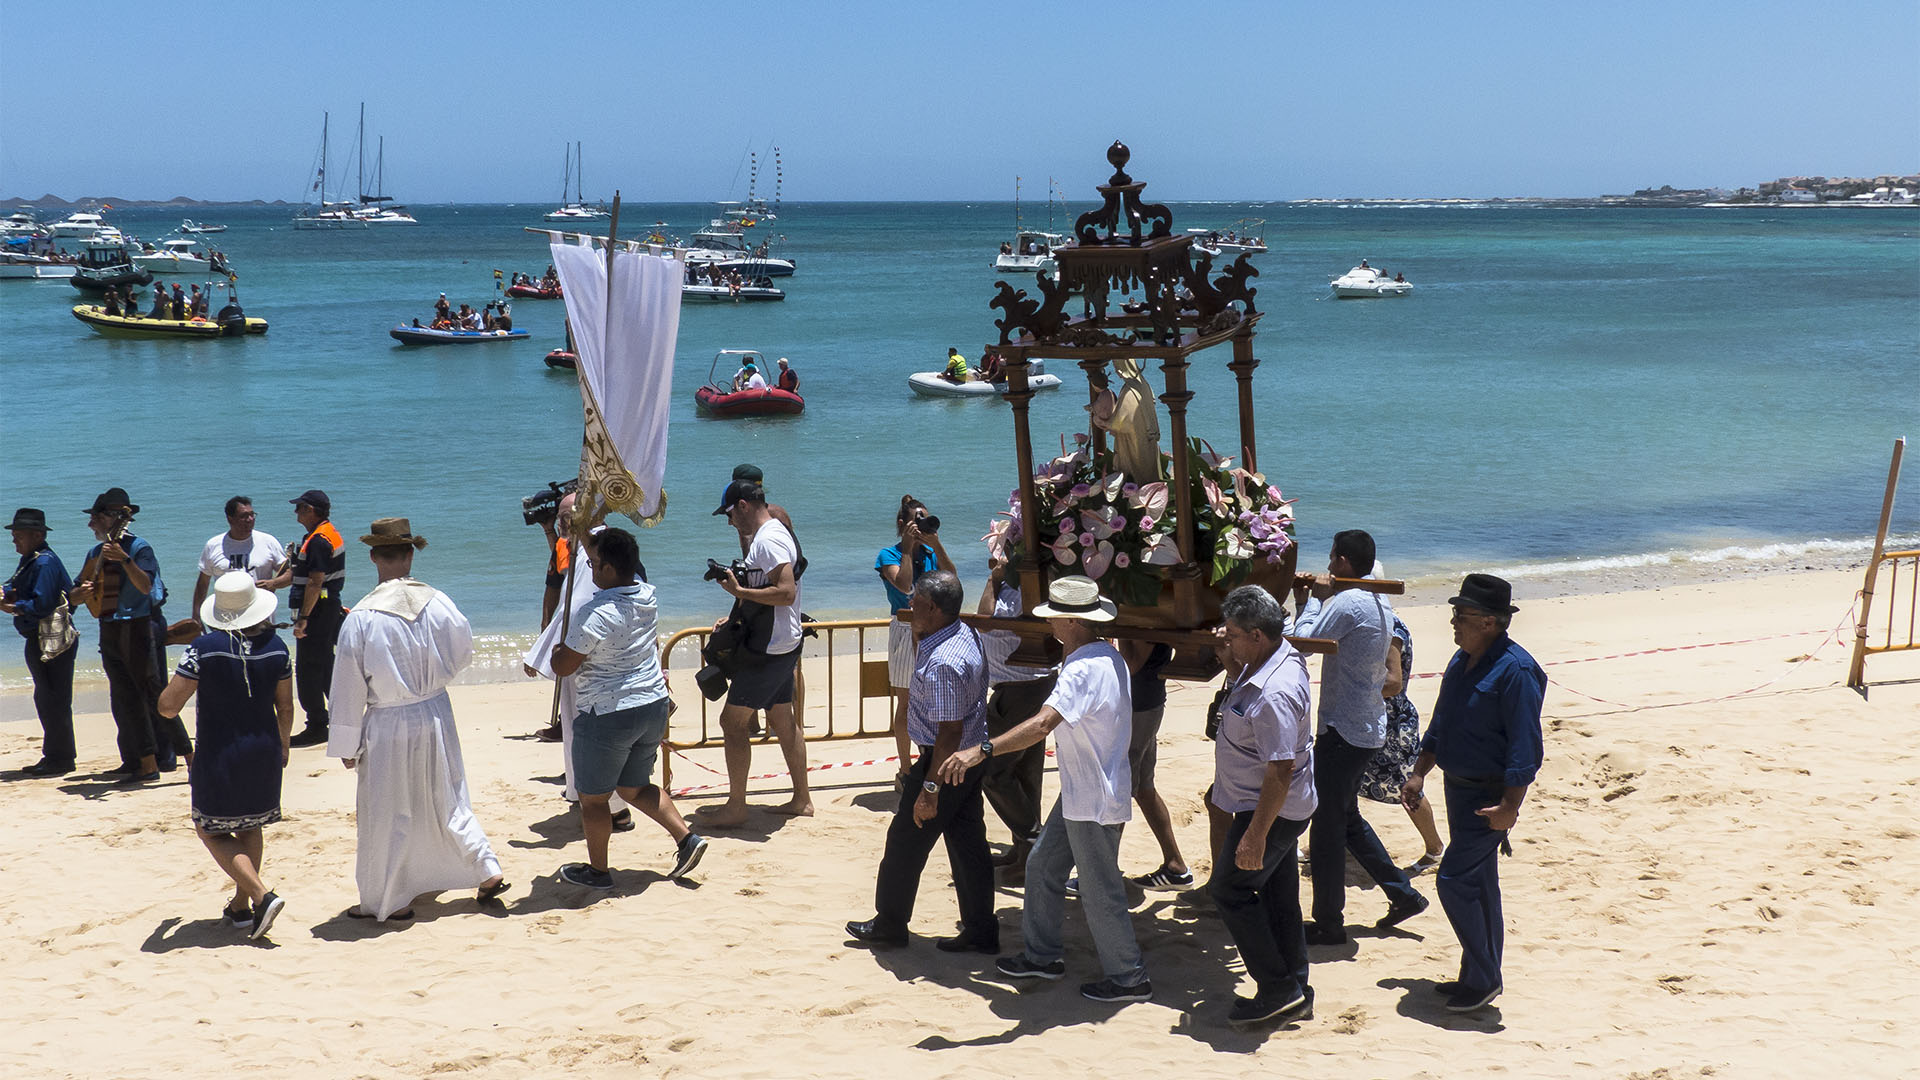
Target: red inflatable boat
533, 292
718, 399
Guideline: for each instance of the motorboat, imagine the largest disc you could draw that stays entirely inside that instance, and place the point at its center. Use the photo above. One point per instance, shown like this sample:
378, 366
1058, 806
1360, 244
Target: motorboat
107, 264
936, 384
181, 256
192, 226
534, 290
1031, 252
32, 267
231, 323
1365, 282
20, 224
427, 335
761, 290
1244, 237
563, 360
82, 225
724, 244
717, 398
576, 208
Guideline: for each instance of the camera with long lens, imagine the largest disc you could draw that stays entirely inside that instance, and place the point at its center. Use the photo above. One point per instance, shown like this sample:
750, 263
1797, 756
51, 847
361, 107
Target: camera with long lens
542, 507
928, 524
738, 568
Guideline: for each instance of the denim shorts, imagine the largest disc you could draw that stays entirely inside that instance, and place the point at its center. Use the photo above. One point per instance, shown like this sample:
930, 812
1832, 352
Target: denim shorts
618, 749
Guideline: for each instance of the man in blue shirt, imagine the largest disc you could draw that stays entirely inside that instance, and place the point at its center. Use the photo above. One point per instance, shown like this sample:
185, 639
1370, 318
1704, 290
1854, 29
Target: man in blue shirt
1352, 727
37, 587
947, 709
124, 563
1485, 736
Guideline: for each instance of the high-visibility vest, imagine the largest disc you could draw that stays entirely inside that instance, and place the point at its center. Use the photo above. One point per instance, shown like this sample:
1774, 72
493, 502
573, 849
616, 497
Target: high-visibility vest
336, 568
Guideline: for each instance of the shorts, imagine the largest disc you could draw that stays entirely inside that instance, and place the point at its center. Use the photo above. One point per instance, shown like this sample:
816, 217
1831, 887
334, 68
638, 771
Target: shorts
1143, 749
900, 655
764, 681
618, 749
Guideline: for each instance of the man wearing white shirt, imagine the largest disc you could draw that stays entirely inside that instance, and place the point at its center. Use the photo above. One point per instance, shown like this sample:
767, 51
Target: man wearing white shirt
241, 547
1090, 713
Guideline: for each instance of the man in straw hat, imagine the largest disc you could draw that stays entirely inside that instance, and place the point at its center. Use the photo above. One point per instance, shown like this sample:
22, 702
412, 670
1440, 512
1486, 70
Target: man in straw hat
1263, 776
1485, 736
33, 595
240, 670
399, 648
1091, 713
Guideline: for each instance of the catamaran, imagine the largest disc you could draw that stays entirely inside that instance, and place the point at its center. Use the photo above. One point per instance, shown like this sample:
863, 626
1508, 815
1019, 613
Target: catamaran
577, 209
1031, 251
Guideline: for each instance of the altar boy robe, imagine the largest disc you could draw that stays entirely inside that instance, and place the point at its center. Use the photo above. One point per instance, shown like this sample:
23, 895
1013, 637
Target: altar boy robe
399, 648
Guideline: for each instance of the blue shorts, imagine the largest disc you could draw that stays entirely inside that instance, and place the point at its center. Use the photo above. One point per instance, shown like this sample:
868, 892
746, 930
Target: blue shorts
617, 749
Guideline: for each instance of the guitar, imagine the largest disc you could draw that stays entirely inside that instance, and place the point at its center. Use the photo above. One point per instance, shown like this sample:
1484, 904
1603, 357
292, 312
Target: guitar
101, 577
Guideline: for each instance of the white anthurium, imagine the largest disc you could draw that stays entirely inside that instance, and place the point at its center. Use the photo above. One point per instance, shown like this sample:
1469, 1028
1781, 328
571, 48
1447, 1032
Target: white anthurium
1237, 544
1099, 559
1161, 551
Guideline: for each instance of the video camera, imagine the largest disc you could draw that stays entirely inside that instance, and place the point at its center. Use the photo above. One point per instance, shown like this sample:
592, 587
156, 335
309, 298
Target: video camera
542, 507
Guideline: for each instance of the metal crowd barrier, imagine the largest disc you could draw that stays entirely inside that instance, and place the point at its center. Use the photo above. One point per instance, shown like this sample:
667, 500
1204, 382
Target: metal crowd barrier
1864, 631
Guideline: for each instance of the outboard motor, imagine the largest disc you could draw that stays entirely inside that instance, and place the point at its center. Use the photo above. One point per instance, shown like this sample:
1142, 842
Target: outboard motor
233, 321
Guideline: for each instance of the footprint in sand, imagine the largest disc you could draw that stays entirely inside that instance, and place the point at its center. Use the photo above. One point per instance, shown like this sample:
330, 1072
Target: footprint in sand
1351, 1021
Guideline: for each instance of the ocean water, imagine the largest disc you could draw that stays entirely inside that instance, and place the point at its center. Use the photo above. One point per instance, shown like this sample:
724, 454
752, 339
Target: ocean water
1565, 388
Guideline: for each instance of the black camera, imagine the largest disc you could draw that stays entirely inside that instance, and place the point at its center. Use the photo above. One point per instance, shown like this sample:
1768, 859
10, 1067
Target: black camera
738, 568
543, 506
929, 524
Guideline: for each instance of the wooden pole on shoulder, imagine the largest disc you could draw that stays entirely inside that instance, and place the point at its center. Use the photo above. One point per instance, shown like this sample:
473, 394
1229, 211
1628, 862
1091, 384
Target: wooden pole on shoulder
1857, 670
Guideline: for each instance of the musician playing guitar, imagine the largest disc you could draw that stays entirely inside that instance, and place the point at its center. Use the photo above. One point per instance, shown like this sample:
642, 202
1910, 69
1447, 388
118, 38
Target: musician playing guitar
120, 584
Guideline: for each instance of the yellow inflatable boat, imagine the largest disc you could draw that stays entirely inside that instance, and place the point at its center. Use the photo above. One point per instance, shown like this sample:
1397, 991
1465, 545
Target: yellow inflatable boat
122, 326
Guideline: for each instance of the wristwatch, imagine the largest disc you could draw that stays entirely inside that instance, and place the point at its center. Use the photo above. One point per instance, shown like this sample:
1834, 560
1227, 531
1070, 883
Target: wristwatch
930, 787
986, 748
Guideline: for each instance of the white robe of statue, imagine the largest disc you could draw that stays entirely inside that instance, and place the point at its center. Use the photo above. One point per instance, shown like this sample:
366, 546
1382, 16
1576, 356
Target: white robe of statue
399, 648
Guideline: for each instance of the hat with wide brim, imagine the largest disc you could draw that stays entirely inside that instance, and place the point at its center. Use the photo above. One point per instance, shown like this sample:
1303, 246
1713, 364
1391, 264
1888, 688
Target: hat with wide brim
237, 602
1076, 598
112, 499
29, 518
393, 532
1486, 592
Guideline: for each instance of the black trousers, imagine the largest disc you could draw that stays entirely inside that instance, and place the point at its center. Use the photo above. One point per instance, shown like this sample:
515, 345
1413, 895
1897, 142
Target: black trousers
170, 739
133, 686
313, 660
53, 700
960, 818
1262, 907
1012, 783
1338, 828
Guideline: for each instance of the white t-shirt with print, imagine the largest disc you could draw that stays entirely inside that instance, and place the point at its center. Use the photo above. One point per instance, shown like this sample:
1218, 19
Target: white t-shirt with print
260, 555
1094, 698
773, 545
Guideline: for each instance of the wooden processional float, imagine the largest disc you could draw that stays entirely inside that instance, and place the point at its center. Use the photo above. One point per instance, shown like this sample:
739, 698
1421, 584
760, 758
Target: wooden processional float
1168, 585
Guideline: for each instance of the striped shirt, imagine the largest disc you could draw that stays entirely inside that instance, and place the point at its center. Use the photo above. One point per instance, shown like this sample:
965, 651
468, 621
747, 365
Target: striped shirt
949, 686
1000, 644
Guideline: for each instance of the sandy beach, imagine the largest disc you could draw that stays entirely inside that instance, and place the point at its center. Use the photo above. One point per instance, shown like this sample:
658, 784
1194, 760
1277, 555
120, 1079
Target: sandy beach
1714, 876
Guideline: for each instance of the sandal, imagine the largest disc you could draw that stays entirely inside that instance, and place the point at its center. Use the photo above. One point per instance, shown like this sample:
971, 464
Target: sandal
491, 891
354, 912
1165, 878
1420, 866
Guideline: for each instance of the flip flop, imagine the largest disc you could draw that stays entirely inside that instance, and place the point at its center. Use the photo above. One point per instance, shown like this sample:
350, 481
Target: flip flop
398, 916
491, 891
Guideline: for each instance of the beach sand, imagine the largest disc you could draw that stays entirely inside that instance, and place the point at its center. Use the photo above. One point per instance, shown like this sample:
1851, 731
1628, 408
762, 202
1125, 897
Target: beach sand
1715, 876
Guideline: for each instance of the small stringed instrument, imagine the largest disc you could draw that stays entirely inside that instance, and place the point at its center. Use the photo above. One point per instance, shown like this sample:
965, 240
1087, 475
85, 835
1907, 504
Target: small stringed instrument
105, 575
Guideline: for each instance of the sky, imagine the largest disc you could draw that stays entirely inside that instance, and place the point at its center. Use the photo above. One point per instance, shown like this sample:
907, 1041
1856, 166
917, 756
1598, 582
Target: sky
911, 101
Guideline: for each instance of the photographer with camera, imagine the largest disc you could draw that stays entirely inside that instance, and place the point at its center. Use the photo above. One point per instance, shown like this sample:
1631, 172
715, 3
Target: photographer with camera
761, 640
918, 552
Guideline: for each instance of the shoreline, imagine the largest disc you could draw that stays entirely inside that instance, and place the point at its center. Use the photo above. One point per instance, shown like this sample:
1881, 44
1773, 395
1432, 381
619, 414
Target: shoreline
497, 654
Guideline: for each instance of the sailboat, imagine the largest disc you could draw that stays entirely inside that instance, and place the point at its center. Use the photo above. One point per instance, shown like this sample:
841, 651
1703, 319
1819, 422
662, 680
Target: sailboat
577, 209
378, 208
329, 215
1031, 250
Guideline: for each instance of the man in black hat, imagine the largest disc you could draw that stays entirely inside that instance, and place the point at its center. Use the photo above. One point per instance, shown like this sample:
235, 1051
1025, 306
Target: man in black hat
317, 576
1485, 736
36, 590
123, 566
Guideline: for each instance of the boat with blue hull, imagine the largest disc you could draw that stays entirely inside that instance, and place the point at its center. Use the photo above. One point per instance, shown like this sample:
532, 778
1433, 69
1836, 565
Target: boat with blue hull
426, 335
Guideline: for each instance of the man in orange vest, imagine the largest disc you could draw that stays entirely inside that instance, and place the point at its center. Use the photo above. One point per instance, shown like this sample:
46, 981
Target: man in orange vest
317, 576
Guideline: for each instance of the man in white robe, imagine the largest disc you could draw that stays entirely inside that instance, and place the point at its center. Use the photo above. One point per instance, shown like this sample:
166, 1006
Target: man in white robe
393, 723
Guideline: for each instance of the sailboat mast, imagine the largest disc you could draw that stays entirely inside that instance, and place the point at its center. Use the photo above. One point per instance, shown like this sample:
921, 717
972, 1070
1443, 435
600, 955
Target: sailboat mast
1016, 204
325, 118
360, 155
579, 172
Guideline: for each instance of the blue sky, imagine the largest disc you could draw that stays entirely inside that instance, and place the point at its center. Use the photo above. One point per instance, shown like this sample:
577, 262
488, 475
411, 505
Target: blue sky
223, 100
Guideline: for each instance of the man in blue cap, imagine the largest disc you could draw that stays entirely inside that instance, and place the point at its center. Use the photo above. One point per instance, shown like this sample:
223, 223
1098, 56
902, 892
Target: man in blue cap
1485, 736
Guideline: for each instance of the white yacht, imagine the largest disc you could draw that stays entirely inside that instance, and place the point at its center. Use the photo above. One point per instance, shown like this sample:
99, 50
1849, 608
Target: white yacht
1244, 237
82, 225
180, 256
20, 224
1365, 282
21, 264
577, 208
1031, 252
724, 244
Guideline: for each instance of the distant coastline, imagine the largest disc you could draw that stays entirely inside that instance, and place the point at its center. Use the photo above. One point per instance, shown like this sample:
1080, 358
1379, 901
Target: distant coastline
51, 201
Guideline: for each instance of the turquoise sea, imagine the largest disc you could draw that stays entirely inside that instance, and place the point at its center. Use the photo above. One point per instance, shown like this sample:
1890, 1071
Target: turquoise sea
1564, 387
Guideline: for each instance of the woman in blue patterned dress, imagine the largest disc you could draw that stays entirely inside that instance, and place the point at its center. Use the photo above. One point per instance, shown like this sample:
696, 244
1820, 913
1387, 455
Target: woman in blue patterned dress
1389, 768
244, 679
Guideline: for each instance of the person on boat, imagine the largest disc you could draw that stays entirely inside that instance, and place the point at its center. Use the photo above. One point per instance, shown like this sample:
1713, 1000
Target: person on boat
1006, 247
1364, 266
748, 378
504, 320
196, 303
486, 319
159, 303
992, 368
441, 309
956, 367
788, 380
179, 303
1400, 278
112, 310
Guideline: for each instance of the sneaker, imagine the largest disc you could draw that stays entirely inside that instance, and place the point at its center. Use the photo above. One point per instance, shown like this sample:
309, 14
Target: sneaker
310, 736
690, 848
1398, 913
1073, 885
264, 912
1467, 999
550, 733
586, 876
1263, 1007
238, 918
1164, 878
1318, 934
1020, 967
1108, 990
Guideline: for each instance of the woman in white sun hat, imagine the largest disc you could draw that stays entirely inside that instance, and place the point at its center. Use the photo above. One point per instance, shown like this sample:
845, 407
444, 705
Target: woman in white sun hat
243, 676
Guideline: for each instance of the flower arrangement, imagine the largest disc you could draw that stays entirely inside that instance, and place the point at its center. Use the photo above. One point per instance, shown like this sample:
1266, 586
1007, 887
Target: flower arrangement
1097, 521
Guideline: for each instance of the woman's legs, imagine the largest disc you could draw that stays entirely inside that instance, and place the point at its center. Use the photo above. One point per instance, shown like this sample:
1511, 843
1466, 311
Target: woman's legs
238, 855
1422, 816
